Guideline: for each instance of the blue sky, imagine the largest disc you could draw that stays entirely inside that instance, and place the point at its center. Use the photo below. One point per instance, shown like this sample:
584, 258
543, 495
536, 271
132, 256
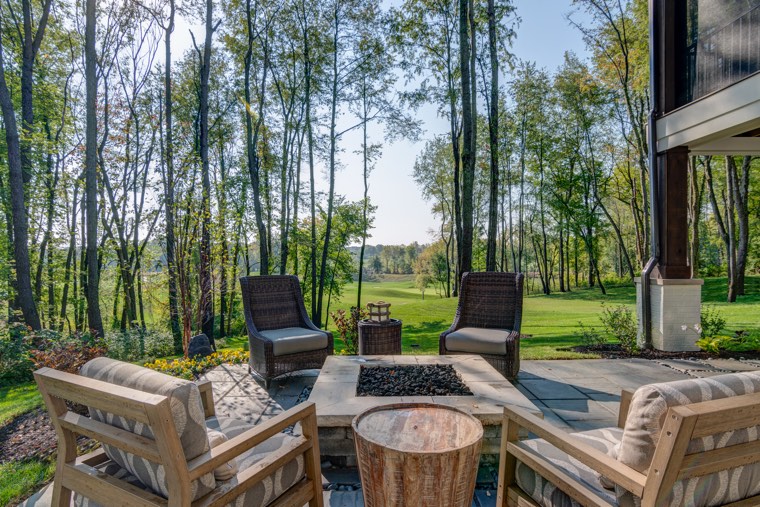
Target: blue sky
402, 216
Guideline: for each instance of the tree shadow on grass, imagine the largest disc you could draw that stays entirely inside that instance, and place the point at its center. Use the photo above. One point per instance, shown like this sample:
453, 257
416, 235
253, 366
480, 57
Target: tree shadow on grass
715, 290
623, 294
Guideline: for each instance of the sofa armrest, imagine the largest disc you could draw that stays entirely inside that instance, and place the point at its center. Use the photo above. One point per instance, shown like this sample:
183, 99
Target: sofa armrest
207, 398
625, 404
234, 447
607, 466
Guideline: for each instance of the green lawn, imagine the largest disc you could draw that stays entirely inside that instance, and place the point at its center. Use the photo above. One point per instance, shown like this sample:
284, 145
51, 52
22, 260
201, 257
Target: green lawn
551, 321
17, 400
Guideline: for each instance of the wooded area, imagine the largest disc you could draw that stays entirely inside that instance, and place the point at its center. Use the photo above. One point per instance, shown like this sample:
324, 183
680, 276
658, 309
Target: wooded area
138, 184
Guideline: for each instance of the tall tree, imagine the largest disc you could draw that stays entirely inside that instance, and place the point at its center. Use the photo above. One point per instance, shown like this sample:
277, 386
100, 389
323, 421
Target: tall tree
493, 138
468, 136
95, 322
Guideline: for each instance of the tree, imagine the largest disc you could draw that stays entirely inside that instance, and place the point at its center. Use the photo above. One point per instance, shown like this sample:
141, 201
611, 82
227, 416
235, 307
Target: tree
469, 118
91, 188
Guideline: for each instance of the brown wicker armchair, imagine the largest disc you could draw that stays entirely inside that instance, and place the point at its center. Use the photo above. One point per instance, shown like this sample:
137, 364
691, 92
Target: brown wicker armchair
488, 319
281, 336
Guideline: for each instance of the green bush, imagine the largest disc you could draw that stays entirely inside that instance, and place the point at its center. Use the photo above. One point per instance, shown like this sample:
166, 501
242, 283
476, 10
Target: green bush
137, 344
740, 342
16, 365
620, 323
712, 321
590, 337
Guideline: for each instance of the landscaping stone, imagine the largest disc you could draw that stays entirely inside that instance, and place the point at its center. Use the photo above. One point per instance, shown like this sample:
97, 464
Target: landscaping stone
199, 346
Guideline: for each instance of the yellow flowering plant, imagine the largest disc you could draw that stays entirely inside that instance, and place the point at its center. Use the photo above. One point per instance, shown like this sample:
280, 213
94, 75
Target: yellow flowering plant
192, 368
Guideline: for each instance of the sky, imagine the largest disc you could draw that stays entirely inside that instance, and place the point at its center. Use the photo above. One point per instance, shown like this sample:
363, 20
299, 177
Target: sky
402, 215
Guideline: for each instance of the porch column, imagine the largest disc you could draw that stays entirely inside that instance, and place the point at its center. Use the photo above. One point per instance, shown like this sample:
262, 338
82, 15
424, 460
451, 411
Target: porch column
673, 176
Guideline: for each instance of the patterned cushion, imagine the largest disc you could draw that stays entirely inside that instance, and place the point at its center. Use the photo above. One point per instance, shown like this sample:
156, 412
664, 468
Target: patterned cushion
292, 340
646, 417
547, 494
478, 340
271, 487
187, 413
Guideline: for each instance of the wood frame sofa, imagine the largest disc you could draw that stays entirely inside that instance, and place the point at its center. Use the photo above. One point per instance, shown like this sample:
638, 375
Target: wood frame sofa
690, 442
155, 445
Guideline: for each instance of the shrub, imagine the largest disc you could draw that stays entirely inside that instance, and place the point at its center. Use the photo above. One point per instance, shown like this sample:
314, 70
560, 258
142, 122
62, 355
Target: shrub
191, 369
16, 365
137, 344
590, 337
620, 323
741, 341
712, 321
347, 325
66, 354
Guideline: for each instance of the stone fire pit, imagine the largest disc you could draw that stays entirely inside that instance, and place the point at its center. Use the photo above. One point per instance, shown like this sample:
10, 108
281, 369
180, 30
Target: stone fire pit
337, 402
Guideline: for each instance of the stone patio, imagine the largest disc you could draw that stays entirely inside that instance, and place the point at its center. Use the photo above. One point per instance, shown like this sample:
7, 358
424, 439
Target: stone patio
573, 395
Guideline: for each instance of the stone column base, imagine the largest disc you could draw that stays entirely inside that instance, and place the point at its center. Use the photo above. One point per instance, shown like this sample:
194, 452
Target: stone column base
675, 303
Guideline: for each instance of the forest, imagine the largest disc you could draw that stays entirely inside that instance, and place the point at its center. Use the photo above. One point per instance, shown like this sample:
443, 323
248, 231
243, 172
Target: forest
154, 151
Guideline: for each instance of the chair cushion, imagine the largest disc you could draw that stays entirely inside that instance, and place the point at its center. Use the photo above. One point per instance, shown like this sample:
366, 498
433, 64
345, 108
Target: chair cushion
646, 417
272, 486
476, 340
187, 413
292, 340
547, 494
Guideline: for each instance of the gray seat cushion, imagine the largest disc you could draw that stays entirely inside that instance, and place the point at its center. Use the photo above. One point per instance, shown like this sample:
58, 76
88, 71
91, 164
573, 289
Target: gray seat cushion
292, 340
476, 340
547, 494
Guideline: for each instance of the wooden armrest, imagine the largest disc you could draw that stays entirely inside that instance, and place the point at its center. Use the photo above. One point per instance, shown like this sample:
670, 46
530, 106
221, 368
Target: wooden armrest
607, 466
250, 439
625, 404
207, 398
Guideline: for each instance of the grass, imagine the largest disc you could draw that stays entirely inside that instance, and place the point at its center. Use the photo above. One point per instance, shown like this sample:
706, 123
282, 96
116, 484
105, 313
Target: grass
18, 480
17, 400
550, 321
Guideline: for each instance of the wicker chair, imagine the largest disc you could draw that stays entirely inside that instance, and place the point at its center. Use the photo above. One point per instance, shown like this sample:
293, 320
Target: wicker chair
488, 319
281, 336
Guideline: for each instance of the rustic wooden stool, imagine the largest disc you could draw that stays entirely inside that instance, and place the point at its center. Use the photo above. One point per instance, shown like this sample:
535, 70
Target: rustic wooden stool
417, 454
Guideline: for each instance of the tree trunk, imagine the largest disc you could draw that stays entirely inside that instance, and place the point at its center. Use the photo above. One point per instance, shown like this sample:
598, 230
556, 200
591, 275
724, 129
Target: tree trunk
23, 281
171, 242
365, 174
95, 322
205, 299
493, 133
468, 121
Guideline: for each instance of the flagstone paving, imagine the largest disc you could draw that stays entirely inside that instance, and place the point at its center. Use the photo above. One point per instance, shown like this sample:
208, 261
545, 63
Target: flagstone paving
573, 395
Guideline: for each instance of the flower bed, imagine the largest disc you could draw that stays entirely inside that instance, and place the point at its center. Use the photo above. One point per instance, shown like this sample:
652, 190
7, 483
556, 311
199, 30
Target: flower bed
192, 368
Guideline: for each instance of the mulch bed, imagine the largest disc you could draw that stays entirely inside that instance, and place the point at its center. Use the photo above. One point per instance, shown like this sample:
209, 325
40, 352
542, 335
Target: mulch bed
425, 380
31, 435
614, 351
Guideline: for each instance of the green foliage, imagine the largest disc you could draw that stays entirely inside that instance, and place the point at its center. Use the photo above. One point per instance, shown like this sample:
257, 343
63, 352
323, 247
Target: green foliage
712, 321
741, 341
136, 344
20, 479
590, 337
191, 369
620, 323
15, 364
347, 324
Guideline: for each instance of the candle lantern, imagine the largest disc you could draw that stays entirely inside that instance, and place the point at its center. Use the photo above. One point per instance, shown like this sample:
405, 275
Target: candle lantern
379, 312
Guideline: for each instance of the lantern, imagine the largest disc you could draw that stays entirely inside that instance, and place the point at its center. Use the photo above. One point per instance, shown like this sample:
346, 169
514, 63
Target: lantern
379, 312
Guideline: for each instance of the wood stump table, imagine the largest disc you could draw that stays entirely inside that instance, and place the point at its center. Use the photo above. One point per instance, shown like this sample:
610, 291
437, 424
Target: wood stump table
380, 338
417, 454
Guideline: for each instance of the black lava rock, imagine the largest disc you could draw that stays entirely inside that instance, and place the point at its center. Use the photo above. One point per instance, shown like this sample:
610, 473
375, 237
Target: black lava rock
423, 380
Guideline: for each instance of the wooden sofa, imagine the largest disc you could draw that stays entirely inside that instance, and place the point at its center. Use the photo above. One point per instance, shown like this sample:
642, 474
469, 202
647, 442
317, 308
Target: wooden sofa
690, 442
155, 430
